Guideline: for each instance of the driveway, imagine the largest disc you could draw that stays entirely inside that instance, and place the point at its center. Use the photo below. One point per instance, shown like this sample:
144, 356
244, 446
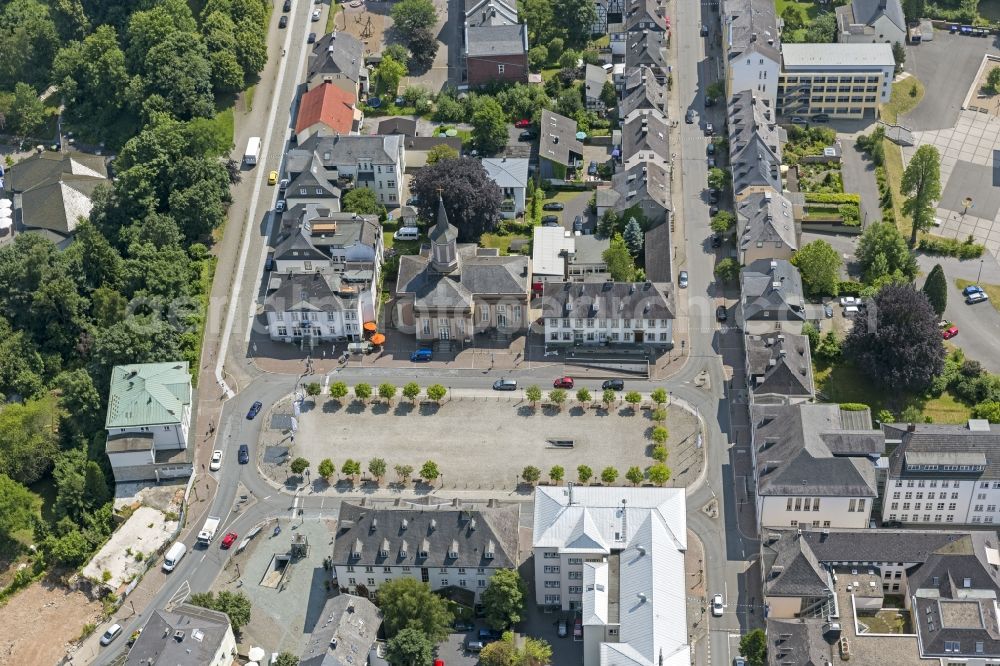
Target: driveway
858, 174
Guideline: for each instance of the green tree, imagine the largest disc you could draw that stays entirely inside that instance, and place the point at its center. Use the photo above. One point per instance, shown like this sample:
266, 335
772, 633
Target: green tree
723, 221
557, 473
621, 266
659, 434
914, 10
820, 266
387, 391
899, 55
634, 240
988, 409
29, 442
28, 42
659, 414
753, 646
575, 18
423, 47
822, 29
403, 472
327, 468
633, 398
408, 603
409, 16
390, 72
313, 389
658, 473
792, 18
659, 453
608, 396
609, 96
718, 178
569, 59
533, 393
398, 52
363, 391
609, 475
659, 396
727, 270
538, 56
234, 604
287, 659
92, 78
583, 395
177, 69
500, 653
338, 390
441, 152
409, 647
299, 465
557, 397
993, 81
351, 468
584, 473
570, 100
531, 474
27, 112
363, 201
716, 89
377, 468
922, 182
936, 287
429, 471
504, 599
436, 392
883, 238
411, 390
489, 126
18, 507
635, 475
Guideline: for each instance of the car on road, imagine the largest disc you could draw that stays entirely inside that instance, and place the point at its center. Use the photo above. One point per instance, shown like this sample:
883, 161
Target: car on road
711, 162
413, 201
977, 297
279, 206
311, 39
713, 211
315, 15
578, 223
562, 629
244, 454
721, 314
422, 356
713, 196
592, 168
563, 382
283, 22
682, 279
229, 540
950, 332
522, 123
463, 626
553, 205
972, 289
254, 410
505, 385
689, 117
287, 7
739, 661
527, 135
216, 463
717, 606
716, 240
272, 178
546, 219
709, 129
474, 645
710, 148
704, 30
113, 632
798, 120
821, 118
613, 384
828, 311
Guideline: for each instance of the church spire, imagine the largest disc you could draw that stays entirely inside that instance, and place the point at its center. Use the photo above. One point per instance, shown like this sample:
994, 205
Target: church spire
444, 241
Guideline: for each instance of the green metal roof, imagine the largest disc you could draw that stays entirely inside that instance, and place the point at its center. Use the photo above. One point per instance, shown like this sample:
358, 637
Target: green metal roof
145, 394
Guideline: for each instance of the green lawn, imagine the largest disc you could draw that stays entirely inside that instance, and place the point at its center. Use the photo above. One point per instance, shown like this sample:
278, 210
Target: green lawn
992, 290
563, 197
901, 103
501, 243
808, 9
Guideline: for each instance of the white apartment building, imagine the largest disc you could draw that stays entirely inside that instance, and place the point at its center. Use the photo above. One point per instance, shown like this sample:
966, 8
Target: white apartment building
616, 555
943, 474
839, 80
375, 162
752, 46
594, 313
321, 306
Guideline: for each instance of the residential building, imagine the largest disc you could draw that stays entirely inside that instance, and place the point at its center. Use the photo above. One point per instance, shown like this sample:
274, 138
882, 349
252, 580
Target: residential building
375, 162
779, 366
449, 547
404, 126
593, 86
338, 58
450, 292
639, 16
186, 635
558, 255
814, 464
349, 628
867, 21
496, 53
647, 49
616, 556
943, 473
839, 80
327, 110
752, 46
313, 185
644, 182
642, 91
321, 306
600, 313
824, 593
149, 421
646, 131
51, 192
560, 153
511, 176
771, 297
418, 147
658, 250
609, 12
765, 227
313, 237
755, 142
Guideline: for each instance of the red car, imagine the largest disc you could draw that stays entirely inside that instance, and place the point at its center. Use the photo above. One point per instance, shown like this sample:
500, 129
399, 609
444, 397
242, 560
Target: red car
228, 540
563, 382
950, 332
522, 123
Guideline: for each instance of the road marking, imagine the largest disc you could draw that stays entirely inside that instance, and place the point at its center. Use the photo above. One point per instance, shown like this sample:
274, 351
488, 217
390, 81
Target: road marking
295, 506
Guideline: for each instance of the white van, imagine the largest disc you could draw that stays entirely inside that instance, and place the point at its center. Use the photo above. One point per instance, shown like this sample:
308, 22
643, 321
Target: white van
174, 556
407, 233
851, 310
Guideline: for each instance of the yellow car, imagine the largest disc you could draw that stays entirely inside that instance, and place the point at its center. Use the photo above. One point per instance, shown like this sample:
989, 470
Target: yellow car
272, 178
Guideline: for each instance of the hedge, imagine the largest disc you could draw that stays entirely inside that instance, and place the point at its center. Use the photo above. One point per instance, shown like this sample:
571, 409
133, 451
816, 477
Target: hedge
827, 197
850, 288
951, 247
853, 406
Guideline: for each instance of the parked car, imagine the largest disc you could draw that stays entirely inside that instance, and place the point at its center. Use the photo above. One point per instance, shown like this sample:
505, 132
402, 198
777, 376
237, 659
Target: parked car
550, 219
739, 661
704, 30
689, 117
821, 118
713, 196
283, 22
563, 382
849, 300
422, 356
578, 223
474, 645
522, 123
111, 634
229, 540
682, 279
972, 289
413, 201
283, 184
592, 168
950, 332
977, 297
716, 240
553, 205
709, 129
315, 15
311, 39
709, 101
613, 384
244, 454
798, 120
710, 149
287, 7
828, 311
216, 463
713, 211
562, 629
279, 206
711, 162
487, 635
505, 385
721, 314
527, 135
462, 626
254, 410
578, 629
717, 606
551, 223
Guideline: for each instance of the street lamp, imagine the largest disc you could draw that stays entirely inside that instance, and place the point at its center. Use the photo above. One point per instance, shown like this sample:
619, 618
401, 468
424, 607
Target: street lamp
978, 277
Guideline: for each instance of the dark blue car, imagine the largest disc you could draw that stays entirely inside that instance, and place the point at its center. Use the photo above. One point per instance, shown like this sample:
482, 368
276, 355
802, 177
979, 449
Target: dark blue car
254, 410
422, 356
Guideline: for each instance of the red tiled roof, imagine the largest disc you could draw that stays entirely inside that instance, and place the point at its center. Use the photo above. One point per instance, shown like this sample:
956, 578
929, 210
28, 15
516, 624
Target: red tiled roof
326, 104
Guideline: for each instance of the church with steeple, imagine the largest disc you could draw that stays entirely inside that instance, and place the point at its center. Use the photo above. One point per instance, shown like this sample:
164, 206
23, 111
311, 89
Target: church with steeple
452, 291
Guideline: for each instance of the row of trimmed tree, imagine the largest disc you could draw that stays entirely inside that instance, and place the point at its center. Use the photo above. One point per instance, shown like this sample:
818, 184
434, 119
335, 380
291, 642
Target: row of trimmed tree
377, 467
657, 473
558, 397
386, 391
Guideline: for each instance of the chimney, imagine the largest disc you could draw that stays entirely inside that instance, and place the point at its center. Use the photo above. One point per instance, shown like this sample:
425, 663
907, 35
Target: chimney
911, 427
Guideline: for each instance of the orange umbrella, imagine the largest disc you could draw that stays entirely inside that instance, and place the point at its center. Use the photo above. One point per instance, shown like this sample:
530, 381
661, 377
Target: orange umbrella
370, 326
378, 339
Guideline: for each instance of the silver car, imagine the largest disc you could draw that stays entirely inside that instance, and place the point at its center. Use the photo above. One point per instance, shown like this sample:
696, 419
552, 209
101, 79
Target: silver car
682, 279
717, 606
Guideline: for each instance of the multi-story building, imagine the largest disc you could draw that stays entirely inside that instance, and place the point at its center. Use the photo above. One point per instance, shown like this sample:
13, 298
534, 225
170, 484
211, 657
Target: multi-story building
814, 464
755, 142
765, 227
779, 367
642, 91
350, 628
149, 421
511, 176
839, 80
327, 110
644, 183
867, 21
313, 237
609, 13
593, 85
494, 41
561, 256
752, 46
771, 297
375, 162
445, 546
184, 636
324, 305
598, 313
639, 16
560, 153
616, 556
339, 58
647, 48
943, 474
646, 133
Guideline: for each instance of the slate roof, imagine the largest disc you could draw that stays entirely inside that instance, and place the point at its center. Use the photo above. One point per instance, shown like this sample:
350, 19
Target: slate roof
945, 444
791, 568
404, 126
755, 142
793, 457
333, 151
773, 287
866, 12
313, 178
329, 105
648, 95
507, 172
657, 249
338, 54
324, 290
751, 26
766, 217
493, 40
311, 231
350, 620
439, 532
204, 632
800, 642
646, 130
645, 15
593, 80
477, 274
56, 188
646, 48
490, 12
643, 180
558, 142
148, 394
622, 300
780, 363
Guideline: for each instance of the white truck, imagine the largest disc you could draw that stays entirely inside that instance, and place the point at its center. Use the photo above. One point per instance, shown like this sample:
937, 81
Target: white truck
208, 530
253, 151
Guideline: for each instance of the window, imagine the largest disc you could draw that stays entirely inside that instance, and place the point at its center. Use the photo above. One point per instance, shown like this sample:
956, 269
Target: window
793, 523
552, 584
369, 569
551, 556
575, 560
920, 495
908, 496
895, 505
895, 496
481, 583
788, 505
500, 69
807, 503
486, 312
444, 581
461, 571
940, 506
978, 507
981, 496
826, 523
282, 330
576, 589
952, 646
391, 183
851, 505
350, 569
551, 569
954, 495
815, 504
575, 575
906, 506
461, 583
371, 581
798, 504
861, 505
951, 507
552, 599
991, 507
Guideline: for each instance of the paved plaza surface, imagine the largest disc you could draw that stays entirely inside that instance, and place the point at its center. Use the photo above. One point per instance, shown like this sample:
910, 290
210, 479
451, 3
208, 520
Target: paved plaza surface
481, 442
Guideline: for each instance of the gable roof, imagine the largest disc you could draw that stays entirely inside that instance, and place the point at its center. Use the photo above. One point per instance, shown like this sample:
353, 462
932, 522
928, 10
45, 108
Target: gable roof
646, 130
477, 274
310, 231
593, 80
976, 443
657, 249
494, 40
404, 126
751, 26
56, 189
558, 140
147, 394
755, 142
779, 363
344, 150
323, 290
649, 94
645, 15
350, 627
624, 300
772, 289
202, 633
507, 172
490, 12
866, 12
338, 54
766, 217
329, 105
643, 181
646, 48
